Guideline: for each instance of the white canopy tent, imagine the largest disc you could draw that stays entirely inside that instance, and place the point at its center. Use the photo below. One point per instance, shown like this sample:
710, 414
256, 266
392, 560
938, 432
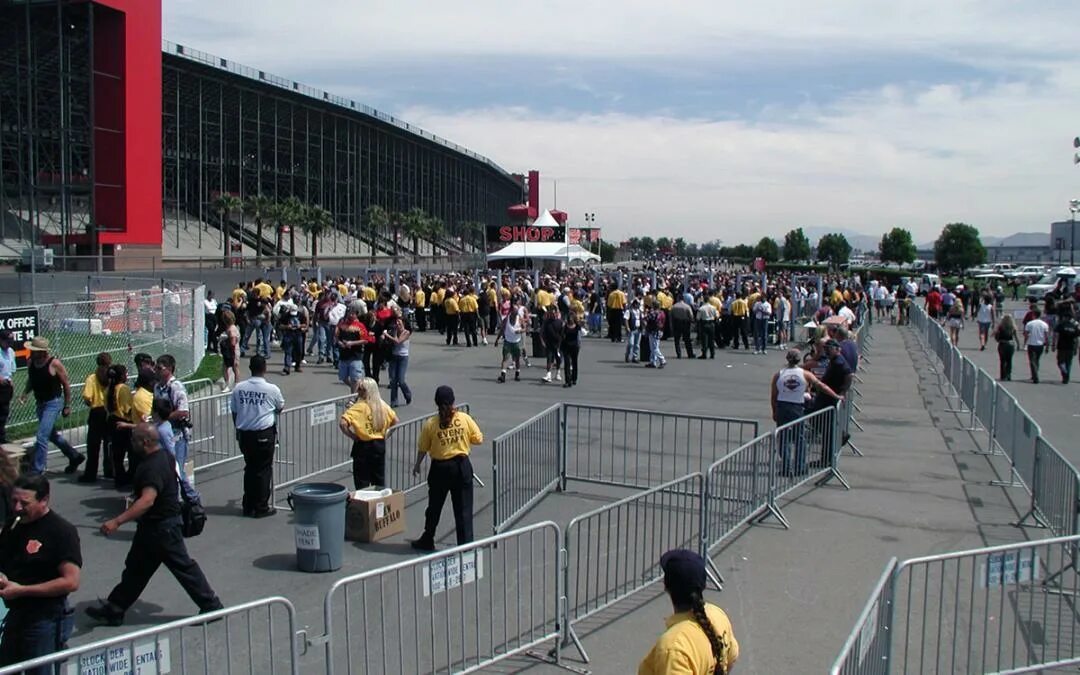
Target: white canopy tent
552, 250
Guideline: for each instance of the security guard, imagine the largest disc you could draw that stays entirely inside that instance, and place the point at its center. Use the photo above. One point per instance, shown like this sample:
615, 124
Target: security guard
256, 405
447, 437
41, 560
699, 638
367, 422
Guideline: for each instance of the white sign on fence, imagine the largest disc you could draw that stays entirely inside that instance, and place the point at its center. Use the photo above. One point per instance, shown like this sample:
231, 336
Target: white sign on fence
453, 571
118, 660
307, 537
224, 406
1010, 567
321, 414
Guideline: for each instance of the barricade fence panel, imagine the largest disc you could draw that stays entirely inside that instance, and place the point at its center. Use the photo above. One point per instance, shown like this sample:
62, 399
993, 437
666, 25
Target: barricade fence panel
969, 385
866, 650
737, 488
985, 402
614, 551
213, 433
804, 449
453, 611
1025, 433
640, 448
956, 371
1055, 490
255, 637
309, 440
526, 465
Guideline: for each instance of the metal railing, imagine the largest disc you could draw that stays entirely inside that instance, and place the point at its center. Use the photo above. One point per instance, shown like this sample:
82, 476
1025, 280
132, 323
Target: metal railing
453, 611
254, 637
1004, 608
525, 465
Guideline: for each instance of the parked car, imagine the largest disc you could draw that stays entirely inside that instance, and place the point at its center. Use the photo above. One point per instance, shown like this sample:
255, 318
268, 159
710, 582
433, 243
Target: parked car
1049, 281
928, 282
1026, 274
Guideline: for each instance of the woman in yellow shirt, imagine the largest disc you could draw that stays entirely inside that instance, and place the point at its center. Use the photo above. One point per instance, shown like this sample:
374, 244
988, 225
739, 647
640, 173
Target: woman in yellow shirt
367, 422
450, 316
118, 408
447, 438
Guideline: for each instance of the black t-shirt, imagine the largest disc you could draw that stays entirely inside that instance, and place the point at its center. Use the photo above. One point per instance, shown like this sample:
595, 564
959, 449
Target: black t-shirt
158, 471
836, 374
31, 553
552, 331
1068, 331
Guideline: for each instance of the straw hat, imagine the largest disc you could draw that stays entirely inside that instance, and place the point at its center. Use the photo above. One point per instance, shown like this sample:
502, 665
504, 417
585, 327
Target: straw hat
38, 344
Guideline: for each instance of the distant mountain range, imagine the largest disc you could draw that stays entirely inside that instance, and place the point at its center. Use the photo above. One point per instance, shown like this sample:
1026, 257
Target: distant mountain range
1017, 239
859, 242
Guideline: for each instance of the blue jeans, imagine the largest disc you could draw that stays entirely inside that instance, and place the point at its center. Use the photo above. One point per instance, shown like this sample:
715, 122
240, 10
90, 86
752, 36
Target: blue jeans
32, 638
396, 368
260, 327
655, 356
324, 341
180, 454
633, 344
48, 413
785, 414
290, 348
761, 333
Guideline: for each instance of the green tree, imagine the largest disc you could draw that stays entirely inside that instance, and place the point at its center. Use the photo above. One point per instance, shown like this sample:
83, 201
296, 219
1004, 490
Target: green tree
315, 221
258, 208
680, 246
435, 229
647, 245
291, 213
378, 220
664, 243
796, 245
690, 250
958, 248
897, 246
473, 233
710, 249
224, 205
767, 249
415, 224
834, 249
607, 251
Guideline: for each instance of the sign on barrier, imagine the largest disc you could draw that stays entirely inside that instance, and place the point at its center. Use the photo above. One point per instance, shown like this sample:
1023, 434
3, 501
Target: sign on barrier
453, 571
144, 658
321, 414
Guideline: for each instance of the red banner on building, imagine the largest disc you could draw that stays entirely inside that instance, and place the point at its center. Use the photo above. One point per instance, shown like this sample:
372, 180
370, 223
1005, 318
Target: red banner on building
578, 235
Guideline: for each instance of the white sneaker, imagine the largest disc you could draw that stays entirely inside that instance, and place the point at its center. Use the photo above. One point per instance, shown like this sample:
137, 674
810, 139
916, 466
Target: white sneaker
303, 362
547, 377
558, 377
225, 390
485, 342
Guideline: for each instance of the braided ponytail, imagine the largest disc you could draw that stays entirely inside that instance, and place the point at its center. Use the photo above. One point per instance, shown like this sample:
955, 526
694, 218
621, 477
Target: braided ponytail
719, 649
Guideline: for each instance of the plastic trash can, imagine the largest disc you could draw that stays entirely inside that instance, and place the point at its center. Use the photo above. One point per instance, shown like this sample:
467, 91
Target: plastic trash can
319, 509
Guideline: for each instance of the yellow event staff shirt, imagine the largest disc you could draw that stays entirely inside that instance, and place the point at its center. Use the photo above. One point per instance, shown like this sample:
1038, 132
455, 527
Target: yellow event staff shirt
437, 296
665, 300
238, 296
740, 308
450, 306
369, 294
468, 304
717, 303
279, 292
684, 648
616, 300
342, 290
420, 298
358, 418
491, 296
94, 392
543, 299
123, 403
141, 403
450, 442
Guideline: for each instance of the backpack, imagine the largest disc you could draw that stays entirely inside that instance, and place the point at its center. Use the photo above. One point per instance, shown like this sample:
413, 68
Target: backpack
631, 320
1069, 327
956, 311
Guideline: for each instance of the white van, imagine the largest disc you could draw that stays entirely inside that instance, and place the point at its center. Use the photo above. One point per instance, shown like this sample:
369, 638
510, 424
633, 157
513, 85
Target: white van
928, 282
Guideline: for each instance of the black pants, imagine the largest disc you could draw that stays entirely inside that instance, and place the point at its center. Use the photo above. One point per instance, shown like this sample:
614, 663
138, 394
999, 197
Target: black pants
119, 449
32, 635
453, 476
7, 392
369, 464
1035, 353
681, 333
451, 322
97, 436
257, 447
614, 324
378, 359
437, 316
1064, 363
421, 319
469, 326
742, 331
1006, 349
707, 335
211, 332
157, 544
493, 321
570, 362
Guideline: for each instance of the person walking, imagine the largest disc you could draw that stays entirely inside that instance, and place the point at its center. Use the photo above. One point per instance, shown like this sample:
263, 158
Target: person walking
707, 317
616, 304
762, 313
1067, 331
1006, 337
954, 319
228, 345
447, 438
41, 561
158, 540
169, 387
789, 391
256, 405
654, 328
118, 408
682, 318
632, 323
511, 332
571, 348
985, 317
350, 337
469, 307
398, 363
1036, 334
367, 422
47, 378
97, 423
551, 336
7, 381
740, 315
699, 639
451, 315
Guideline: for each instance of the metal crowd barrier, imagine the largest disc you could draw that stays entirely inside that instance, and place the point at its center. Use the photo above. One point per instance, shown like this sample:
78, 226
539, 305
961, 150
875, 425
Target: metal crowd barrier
525, 465
452, 611
254, 637
614, 551
999, 609
738, 489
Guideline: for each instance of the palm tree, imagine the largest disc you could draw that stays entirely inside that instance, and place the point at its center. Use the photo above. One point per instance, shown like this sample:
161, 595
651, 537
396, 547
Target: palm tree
397, 219
258, 208
224, 205
377, 219
472, 232
415, 225
291, 212
317, 221
434, 228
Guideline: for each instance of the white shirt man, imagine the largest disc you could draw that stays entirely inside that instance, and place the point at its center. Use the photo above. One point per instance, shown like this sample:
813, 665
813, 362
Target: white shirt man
1036, 333
256, 405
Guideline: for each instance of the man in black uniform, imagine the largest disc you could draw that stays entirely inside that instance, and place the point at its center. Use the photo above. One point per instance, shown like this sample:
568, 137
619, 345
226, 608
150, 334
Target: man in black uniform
838, 375
158, 537
41, 560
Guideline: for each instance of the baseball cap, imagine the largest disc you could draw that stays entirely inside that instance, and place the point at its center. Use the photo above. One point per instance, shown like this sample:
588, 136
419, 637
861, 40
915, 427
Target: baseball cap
832, 343
684, 571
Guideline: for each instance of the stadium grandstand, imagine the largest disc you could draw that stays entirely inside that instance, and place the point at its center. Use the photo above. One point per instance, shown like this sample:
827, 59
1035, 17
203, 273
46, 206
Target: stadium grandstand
85, 87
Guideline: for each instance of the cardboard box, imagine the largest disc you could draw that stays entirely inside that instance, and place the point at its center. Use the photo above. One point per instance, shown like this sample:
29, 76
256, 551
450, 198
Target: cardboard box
374, 519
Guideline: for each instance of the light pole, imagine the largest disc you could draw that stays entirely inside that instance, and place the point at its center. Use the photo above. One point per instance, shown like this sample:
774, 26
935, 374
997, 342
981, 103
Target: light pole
590, 218
1074, 206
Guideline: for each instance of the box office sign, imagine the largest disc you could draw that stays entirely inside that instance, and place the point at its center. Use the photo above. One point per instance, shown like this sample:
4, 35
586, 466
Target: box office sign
23, 324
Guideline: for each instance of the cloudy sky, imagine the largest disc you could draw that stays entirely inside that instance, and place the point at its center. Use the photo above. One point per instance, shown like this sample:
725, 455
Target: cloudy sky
711, 119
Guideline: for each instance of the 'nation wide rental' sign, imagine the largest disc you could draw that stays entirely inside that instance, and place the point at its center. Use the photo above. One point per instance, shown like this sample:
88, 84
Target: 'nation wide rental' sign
508, 234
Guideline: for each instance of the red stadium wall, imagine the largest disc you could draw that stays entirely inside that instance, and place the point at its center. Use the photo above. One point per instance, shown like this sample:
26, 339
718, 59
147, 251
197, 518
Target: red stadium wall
127, 138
